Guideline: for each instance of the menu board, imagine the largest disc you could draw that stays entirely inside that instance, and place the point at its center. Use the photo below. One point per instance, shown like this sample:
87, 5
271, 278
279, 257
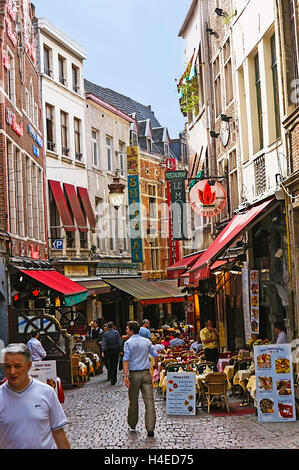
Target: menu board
274, 383
46, 371
181, 393
255, 302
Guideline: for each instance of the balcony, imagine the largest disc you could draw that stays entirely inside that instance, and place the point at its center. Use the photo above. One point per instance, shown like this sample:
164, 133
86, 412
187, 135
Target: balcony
79, 156
48, 71
65, 151
260, 175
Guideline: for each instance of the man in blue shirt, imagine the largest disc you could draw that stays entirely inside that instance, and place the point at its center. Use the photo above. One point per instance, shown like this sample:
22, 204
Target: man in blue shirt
177, 341
136, 362
145, 329
111, 347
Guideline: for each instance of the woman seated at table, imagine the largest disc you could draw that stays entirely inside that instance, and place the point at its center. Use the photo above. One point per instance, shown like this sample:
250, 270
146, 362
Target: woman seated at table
158, 347
196, 347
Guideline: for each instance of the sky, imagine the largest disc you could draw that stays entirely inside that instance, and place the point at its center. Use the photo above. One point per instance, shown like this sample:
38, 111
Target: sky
132, 47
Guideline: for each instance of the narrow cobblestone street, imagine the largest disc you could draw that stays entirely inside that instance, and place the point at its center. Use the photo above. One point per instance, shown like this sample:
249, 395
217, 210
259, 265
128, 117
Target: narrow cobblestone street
97, 414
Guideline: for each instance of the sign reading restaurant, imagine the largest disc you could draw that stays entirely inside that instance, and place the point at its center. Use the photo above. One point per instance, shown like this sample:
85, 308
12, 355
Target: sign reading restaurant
110, 269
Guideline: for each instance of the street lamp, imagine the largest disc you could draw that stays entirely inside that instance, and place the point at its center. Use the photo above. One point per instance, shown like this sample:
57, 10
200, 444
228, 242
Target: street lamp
116, 199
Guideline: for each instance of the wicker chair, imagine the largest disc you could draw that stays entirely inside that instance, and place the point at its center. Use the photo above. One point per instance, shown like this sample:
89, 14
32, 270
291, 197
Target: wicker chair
75, 370
216, 384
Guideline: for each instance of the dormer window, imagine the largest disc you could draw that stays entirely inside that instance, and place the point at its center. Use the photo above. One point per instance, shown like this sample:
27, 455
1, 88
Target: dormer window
166, 150
134, 139
149, 145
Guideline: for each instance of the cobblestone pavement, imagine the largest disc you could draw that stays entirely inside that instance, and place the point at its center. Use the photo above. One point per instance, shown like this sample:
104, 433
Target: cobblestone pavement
97, 414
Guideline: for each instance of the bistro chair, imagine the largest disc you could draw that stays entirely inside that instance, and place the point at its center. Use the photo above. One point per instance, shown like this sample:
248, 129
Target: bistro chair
75, 370
216, 384
91, 357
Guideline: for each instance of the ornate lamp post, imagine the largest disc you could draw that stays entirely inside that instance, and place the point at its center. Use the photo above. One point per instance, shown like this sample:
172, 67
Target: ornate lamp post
116, 199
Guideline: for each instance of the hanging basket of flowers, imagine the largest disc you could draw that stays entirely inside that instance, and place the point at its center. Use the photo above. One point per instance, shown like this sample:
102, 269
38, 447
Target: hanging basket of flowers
188, 91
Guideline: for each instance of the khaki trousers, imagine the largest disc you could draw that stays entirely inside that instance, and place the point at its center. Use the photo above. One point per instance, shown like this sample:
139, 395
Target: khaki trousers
141, 380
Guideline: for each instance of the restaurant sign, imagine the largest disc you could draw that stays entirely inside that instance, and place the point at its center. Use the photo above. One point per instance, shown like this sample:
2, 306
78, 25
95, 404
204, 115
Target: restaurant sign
11, 119
110, 269
208, 200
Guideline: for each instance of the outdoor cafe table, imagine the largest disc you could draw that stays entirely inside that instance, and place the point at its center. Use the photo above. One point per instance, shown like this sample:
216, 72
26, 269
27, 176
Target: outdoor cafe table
229, 372
222, 363
251, 387
241, 377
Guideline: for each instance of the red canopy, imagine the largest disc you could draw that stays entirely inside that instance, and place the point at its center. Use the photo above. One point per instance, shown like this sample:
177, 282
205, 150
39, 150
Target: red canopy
83, 193
202, 269
55, 281
178, 268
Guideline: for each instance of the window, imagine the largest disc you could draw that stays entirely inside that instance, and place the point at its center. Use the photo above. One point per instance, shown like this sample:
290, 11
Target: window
153, 211
27, 101
260, 175
259, 101
11, 183
75, 78
112, 228
155, 261
35, 202
29, 198
70, 240
122, 158
36, 116
11, 78
109, 154
55, 224
133, 139
62, 70
64, 133
217, 86
94, 148
228, 72
275, 86
166, 150
41, 204
47, 61
77, 131
123, 212
83, 240
233, 180
20, 226
31, 102
50, 127
149, 145
200, 79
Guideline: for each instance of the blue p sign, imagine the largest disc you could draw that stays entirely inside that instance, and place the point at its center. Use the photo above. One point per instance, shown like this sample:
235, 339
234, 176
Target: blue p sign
58, 244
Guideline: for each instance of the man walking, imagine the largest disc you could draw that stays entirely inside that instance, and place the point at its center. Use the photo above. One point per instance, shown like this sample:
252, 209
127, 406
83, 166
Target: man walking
111, 348
35, 347
137, 376
31, 416
145, 329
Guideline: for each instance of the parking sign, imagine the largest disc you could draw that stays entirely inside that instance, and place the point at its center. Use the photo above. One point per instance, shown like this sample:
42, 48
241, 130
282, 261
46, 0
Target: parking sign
58, 244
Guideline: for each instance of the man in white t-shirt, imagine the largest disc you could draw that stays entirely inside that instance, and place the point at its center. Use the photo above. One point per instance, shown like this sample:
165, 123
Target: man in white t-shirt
31, 416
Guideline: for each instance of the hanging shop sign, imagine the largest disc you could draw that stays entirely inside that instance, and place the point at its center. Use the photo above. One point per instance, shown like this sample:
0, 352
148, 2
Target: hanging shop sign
207, 200
76, 271
11, 119
254, 290
274, 383
135, 218
10, 8
178, 207
225, 133
10, 33
181, 394
171, 164
28, 30
35, 136
133, 160
175, 175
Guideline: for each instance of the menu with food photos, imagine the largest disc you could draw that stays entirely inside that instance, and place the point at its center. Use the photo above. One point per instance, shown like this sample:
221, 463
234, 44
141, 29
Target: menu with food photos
47, 372
181, 393
274, 383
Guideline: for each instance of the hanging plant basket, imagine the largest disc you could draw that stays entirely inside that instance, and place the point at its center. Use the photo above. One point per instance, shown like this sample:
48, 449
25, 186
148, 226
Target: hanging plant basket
189, 95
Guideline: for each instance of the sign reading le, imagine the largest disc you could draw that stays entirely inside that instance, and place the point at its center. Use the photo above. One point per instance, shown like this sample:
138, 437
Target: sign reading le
175, 175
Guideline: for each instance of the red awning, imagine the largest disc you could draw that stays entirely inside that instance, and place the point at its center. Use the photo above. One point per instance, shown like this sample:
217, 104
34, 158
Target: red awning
178, 268
202, 269
55, 281
221, 263
76, 207
62, 207
83, 193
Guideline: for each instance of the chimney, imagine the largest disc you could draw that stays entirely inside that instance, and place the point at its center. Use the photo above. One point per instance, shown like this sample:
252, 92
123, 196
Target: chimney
149, 107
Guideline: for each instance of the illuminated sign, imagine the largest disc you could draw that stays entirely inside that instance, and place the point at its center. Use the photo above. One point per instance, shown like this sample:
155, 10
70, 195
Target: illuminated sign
11, 119
207, 200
